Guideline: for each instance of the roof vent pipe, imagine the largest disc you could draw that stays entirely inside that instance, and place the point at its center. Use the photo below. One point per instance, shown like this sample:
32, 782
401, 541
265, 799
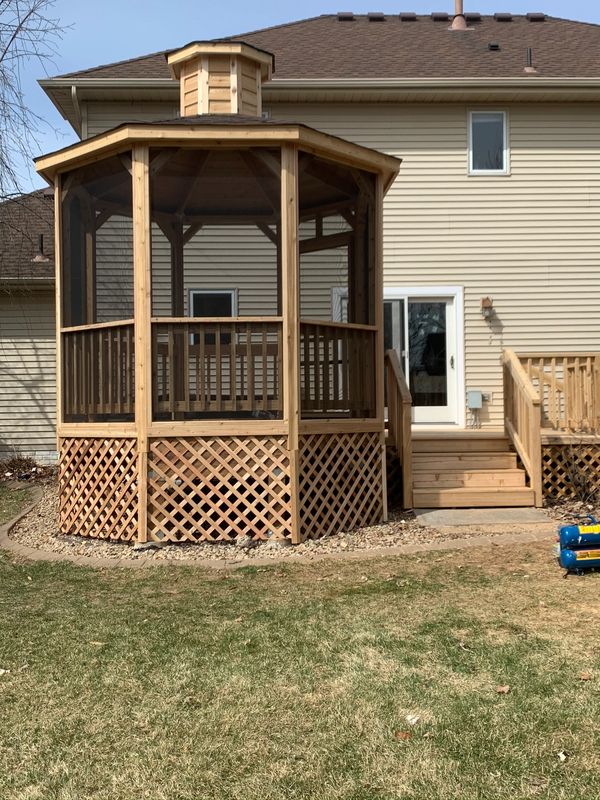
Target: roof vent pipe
529, 67
459, 23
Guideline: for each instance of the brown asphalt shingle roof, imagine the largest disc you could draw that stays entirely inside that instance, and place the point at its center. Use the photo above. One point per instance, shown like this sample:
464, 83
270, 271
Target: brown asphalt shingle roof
22, 220
324, 47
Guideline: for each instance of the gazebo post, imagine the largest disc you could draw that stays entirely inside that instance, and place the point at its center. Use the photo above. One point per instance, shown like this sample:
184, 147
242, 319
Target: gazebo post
89, 255
178, 302
58, 299
291, 323
377, 266
142, 326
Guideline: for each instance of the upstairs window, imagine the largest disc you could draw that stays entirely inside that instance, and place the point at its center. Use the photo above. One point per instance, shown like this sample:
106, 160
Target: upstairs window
488, 145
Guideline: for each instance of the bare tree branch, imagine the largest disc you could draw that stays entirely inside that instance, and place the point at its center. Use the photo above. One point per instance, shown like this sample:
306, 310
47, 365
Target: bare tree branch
28, 30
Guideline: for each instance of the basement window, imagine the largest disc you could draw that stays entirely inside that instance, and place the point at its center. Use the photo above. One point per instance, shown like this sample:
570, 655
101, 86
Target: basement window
488, 143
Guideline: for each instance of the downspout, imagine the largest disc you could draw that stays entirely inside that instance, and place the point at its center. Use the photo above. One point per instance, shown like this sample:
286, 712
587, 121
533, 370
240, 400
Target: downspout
77, 110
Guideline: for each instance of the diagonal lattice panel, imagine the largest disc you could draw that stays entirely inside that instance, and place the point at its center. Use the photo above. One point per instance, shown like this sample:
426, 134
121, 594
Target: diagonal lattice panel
98, 488
341, 482
570, 470
218, 488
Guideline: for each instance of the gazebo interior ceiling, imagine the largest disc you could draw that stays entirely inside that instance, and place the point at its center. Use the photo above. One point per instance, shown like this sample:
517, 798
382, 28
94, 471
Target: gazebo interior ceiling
193, 184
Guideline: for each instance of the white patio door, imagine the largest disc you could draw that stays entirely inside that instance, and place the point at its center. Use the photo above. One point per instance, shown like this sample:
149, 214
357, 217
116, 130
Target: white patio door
422, 329
424, 325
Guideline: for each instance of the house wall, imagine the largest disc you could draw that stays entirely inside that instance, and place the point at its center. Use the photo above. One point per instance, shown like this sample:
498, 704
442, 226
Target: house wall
101, 116
529, 240
27, 374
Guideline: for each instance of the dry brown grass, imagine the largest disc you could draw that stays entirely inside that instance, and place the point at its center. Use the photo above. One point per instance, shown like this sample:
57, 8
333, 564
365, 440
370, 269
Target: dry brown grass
291, 682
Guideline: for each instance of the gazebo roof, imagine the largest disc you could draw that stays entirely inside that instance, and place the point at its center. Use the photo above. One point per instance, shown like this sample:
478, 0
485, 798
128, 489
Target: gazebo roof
212, 131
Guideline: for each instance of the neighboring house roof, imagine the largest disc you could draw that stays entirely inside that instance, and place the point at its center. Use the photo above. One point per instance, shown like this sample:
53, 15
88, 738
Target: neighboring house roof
403, 46
22, 221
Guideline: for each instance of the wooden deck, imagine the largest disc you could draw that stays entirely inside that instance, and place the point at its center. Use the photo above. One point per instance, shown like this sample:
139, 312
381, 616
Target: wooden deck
549, 447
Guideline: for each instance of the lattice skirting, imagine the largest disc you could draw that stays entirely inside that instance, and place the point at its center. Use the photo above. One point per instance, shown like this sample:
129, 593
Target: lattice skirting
218, 488
341, 482
570, 469
98, 488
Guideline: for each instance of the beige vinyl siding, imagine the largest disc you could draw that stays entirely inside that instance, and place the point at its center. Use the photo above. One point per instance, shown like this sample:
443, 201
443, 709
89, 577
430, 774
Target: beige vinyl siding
27, 375
114, 270
243, 259
530, 240
102, 116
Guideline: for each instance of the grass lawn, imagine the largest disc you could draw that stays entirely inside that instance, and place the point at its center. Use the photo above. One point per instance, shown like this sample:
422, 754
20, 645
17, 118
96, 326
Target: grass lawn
11, 502
292, 682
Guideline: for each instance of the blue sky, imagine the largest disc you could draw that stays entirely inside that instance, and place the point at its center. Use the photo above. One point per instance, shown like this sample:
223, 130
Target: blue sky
101, 31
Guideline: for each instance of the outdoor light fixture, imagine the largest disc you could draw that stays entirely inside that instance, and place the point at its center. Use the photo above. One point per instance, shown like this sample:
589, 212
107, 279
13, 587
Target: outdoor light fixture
487, 307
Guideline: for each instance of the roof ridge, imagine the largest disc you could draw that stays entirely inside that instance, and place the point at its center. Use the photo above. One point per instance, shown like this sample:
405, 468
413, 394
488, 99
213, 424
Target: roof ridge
275, 27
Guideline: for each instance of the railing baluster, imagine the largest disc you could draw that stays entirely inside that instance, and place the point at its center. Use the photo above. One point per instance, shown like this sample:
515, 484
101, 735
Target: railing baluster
265, 380
170, 367
218, 369
233, 369
185, 338
247, 373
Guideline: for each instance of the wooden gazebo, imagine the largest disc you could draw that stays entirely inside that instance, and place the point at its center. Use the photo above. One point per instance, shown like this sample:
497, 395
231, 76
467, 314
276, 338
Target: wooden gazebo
210, 414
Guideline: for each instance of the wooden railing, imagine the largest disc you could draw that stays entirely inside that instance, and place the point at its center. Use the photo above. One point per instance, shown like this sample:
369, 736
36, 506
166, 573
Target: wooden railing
569, 388
337, 369
523, 419
227, 367
399, 404
98, 371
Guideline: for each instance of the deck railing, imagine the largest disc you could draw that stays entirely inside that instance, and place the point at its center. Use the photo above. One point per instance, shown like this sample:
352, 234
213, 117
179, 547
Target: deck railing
523, 419
399, 404
98, 372
222, 367
337, 369
569, 388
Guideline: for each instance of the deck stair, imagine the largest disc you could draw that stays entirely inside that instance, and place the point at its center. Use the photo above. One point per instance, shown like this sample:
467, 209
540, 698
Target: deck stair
467, 469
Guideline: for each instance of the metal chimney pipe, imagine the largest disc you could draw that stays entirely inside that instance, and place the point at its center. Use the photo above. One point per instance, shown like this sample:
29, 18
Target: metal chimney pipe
459, 23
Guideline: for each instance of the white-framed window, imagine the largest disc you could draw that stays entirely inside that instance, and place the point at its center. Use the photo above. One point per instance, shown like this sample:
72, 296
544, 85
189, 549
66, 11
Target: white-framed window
488, 143
212, 303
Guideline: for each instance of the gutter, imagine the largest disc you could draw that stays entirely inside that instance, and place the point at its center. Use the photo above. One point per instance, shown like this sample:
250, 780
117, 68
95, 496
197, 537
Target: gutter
110, 83
431, 83
527, 87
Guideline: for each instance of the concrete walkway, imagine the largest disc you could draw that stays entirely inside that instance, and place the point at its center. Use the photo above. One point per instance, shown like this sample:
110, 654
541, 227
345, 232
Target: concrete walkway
481, 517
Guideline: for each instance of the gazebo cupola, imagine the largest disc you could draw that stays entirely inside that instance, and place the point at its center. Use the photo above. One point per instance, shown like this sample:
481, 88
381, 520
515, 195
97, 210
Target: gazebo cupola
220, 77
219, 319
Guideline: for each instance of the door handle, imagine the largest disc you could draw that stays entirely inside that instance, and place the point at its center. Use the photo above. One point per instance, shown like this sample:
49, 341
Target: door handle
451, 362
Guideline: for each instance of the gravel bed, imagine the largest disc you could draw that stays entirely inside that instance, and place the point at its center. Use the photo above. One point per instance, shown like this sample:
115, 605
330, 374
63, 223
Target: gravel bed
39, 529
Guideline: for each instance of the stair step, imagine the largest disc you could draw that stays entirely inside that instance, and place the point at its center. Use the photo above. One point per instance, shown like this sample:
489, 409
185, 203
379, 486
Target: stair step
472, 498
465, 443
441, 462
477, 479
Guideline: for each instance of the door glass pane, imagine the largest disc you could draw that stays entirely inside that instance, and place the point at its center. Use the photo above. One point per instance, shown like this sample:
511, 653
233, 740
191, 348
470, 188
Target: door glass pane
428, 375
487, 135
